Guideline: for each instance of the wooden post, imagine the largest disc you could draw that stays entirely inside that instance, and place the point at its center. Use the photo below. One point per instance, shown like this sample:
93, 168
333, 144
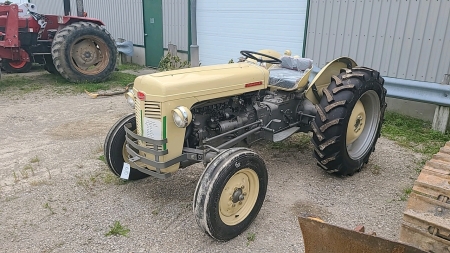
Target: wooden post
441, 114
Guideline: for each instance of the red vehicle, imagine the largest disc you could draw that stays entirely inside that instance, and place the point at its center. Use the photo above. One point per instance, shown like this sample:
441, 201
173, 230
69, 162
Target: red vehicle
78, 48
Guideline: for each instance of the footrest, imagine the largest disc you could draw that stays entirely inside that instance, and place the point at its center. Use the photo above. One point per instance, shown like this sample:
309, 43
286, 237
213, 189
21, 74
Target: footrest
284, 134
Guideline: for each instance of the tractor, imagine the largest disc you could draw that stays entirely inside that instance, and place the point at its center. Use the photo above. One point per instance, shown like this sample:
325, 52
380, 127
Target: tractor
78, 48
213, 114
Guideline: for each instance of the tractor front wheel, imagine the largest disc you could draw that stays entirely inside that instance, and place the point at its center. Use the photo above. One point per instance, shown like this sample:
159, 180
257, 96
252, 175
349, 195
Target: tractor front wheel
114, 148
230, 193
348, 121
11, 66
84, 52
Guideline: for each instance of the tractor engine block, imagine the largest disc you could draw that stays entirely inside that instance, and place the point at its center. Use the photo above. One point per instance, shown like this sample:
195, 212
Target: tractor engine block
219, 116
214, 117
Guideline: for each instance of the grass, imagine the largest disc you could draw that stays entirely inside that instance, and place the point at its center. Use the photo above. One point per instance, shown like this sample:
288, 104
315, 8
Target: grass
47, 206
250, 238
27, 84
414, 134
376, 169
118, 229
16, 178
110, 178
35, 159
405, 193
102, 158
27, 168
101, 177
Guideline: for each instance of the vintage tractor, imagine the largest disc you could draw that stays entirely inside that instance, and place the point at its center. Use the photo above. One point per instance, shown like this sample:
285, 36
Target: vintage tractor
212, 114
78, 48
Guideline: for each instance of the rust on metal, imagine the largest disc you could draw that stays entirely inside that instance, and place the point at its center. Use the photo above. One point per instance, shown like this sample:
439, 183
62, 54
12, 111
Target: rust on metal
320, 237
426, 220
360, 228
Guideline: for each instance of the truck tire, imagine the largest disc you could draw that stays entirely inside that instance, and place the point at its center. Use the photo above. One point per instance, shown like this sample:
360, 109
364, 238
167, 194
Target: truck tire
84, 52
348, 121
230, 193
114, 148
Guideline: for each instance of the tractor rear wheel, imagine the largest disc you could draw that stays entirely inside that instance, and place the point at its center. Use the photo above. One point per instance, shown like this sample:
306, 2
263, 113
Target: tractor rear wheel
49, 65
230, 193
348, 121
84, 52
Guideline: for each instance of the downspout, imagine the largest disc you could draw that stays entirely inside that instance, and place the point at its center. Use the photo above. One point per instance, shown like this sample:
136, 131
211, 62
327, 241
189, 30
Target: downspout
67, 8
195, 59
305, 33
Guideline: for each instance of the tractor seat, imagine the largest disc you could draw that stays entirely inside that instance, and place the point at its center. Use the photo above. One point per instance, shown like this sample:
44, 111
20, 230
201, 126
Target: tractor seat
289, 73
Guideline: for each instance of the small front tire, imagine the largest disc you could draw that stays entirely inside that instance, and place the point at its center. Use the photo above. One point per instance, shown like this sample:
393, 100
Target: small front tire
16, 66
114, 148
230, 193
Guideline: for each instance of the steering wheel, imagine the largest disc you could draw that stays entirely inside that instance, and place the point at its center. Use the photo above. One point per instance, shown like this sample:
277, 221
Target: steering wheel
252, 55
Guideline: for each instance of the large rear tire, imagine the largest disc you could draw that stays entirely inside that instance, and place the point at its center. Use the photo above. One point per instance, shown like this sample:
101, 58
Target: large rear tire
114, 148
230, 193
49, 65
84, 52
348, 121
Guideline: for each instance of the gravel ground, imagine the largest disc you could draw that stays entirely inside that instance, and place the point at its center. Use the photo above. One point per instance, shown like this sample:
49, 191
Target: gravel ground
56, 195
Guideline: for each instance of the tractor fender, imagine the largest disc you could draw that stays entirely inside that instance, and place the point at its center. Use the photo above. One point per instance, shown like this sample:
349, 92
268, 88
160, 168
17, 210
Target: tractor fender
67, 20
321, 78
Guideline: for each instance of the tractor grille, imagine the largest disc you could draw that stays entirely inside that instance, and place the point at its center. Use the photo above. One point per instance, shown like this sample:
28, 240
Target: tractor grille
151, 110
137, 108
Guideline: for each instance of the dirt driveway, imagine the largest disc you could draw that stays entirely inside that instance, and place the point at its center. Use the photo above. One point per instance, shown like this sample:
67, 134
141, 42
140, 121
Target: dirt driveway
56, 194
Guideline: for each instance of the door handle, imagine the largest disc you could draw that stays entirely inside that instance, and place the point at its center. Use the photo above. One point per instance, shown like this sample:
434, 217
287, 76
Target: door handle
145, 34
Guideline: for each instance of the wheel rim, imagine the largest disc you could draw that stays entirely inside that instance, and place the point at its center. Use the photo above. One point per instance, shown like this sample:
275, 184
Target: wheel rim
363, 125
239, 197
89, 55
17, 64
356, 123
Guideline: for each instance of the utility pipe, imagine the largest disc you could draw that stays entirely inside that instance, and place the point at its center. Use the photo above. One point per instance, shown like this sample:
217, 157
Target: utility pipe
195, 58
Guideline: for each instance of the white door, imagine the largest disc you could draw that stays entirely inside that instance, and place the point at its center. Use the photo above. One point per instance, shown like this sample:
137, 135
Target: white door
225, 28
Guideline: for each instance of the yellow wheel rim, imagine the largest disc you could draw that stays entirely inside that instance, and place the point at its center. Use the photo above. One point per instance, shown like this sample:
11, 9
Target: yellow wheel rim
239, 197
356, 123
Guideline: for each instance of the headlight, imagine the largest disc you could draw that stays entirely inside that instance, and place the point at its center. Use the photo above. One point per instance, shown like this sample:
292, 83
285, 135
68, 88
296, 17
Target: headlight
181, 116
130, 98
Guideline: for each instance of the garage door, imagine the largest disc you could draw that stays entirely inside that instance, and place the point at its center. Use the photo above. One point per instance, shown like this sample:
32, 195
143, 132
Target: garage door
226, 27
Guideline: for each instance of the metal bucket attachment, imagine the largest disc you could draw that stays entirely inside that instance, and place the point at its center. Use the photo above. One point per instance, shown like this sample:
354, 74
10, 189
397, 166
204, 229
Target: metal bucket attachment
320, 237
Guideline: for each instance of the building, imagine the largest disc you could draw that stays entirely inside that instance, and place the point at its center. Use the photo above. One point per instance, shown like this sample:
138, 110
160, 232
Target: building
401, 38
223, 28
